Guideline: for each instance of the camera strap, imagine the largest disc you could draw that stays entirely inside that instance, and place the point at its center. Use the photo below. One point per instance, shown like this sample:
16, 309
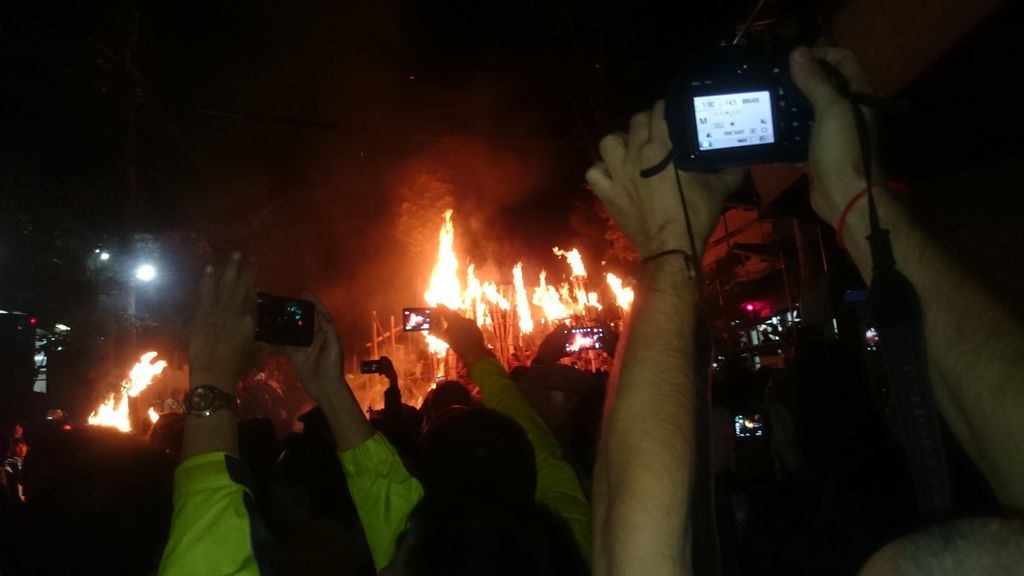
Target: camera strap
895, 308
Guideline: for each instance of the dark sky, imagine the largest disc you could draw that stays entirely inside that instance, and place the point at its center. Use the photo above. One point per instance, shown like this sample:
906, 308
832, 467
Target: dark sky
325, 137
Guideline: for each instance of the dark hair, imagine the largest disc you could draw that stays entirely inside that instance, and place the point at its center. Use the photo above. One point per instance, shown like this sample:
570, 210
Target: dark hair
532, 541
472, 455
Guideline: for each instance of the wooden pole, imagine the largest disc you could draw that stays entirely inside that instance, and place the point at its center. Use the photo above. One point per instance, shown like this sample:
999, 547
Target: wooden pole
373, 343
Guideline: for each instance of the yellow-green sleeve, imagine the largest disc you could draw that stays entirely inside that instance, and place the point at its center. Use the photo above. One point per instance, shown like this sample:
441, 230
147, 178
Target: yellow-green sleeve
384, 494
215, 528
557, 484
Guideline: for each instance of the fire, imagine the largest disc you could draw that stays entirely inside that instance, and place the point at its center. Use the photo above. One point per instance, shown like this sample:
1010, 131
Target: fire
113, 412
522, 302
574, 259
547, 298
623, 295
473, 299
153, 416
593, 301
444, 285
495, 297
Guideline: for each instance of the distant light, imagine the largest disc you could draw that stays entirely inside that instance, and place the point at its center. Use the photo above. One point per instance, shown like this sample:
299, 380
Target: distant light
3, 312
104, 256
750, 307
62, 327
32, 321
145, 272
96, 251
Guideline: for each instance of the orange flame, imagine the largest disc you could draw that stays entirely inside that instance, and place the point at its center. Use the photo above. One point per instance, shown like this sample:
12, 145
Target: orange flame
444, 285
495, 297
593, 301
522, 303
574, 259
153, 416
473, 298
113, 412
547, 298
623, 295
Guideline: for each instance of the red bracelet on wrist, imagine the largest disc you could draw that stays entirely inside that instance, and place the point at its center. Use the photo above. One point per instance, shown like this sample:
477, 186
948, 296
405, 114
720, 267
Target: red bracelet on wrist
891, 185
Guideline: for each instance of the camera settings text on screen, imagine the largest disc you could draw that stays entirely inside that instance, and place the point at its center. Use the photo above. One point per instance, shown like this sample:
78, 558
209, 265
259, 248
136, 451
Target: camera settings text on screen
734, 120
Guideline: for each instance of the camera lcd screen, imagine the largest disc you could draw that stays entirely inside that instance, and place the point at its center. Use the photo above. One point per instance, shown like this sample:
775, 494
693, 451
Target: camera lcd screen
416, 319
733, 120
749, 426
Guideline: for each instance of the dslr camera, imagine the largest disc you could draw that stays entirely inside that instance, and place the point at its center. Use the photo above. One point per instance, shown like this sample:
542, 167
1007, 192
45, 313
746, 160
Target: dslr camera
736, 105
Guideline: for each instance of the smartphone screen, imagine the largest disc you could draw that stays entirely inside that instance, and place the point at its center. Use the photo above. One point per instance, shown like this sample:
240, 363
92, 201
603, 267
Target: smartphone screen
284, 321
370, 367
416, 319
749, 425
585, 338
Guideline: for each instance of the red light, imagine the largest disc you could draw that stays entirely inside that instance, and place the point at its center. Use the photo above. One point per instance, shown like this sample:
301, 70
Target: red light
66, 426
749, 307
32, 321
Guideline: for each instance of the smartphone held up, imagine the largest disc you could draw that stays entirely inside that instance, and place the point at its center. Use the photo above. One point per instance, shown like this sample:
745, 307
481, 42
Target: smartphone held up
282, 321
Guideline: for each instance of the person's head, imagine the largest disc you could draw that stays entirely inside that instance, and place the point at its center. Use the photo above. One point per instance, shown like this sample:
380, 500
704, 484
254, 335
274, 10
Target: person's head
19, 448
531, 540
478, 458
442, 399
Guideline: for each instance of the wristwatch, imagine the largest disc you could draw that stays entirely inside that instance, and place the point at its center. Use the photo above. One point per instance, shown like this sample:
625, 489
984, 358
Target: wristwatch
206, 400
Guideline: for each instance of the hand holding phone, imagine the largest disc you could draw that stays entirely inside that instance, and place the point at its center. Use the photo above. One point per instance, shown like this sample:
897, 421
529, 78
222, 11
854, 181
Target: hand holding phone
284, 321
382, 366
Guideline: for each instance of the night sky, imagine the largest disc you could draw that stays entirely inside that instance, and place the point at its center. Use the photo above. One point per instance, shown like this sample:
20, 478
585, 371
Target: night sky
324, 138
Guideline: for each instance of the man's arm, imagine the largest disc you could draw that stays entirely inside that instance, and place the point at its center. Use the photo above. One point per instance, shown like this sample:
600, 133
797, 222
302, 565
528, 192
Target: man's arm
215, 527
557, 485
383, 491
643, 478
975, 346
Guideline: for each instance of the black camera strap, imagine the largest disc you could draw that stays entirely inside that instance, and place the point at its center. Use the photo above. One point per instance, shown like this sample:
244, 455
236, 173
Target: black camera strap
895, 309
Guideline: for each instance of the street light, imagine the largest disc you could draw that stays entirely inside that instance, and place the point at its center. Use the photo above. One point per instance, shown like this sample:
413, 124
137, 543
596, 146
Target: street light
104, 256
145, 273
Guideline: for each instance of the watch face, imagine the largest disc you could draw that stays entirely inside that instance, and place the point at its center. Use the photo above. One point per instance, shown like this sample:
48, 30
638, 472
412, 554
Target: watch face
202, 399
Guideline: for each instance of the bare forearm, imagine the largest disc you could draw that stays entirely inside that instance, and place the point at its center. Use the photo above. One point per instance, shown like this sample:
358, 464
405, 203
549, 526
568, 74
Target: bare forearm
346, 419
975, 347
647, 447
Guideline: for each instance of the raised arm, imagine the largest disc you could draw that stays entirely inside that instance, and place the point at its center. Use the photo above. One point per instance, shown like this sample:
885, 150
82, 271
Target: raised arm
975, 346
215, 528
382, 490
644, 474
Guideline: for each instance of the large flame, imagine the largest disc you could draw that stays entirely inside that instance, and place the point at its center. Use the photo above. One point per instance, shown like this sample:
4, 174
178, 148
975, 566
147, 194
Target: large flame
444, 285
522, 302
623, 295
153, 415
113, 412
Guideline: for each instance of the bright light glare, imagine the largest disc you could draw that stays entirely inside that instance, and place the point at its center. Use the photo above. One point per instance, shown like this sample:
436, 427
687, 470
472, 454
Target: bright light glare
145, 272
104, 256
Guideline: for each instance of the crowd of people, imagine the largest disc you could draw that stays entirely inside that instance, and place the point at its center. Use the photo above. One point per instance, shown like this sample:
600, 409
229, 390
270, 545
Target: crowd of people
556, 471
